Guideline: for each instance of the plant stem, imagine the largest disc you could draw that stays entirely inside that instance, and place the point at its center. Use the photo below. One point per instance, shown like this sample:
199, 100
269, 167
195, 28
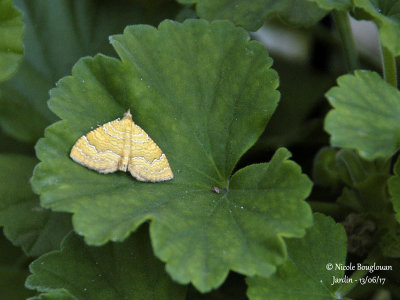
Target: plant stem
346, 35
389, 66
345, 288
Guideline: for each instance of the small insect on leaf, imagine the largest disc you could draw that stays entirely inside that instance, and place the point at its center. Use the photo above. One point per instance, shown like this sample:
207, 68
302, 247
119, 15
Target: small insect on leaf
215, 189
122, 145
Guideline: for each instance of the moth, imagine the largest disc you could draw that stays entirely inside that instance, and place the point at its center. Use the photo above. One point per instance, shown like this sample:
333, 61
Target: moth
122, 145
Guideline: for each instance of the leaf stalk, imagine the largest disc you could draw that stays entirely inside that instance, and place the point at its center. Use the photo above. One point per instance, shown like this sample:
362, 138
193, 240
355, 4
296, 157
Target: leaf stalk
389, 66
345, 288
343, 26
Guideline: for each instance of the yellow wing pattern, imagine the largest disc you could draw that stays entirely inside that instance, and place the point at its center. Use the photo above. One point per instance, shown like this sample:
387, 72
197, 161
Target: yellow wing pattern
122, 145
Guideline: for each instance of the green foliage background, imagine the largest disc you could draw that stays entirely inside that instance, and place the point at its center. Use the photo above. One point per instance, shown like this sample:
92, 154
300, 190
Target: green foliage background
241, 218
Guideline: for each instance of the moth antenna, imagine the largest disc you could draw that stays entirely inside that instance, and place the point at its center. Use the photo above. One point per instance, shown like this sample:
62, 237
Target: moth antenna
128, 114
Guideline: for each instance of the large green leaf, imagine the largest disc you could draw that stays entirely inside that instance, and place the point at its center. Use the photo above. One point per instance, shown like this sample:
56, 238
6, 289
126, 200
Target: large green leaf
26, 224
306, 273
54, 295
58, 33
11, 34
251, 14
204, 93
125, 270
386, 14
333, 4
366, 115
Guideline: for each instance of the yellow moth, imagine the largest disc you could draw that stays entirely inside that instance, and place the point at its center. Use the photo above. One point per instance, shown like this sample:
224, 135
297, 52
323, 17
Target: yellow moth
122, 145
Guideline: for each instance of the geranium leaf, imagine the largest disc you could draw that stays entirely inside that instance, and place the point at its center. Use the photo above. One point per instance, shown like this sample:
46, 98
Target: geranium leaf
204, 121
57, 34
251, 14
333, 4
11, 34
305, 274
53, 295
357, 100
386, 14
26, 224
125, 270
